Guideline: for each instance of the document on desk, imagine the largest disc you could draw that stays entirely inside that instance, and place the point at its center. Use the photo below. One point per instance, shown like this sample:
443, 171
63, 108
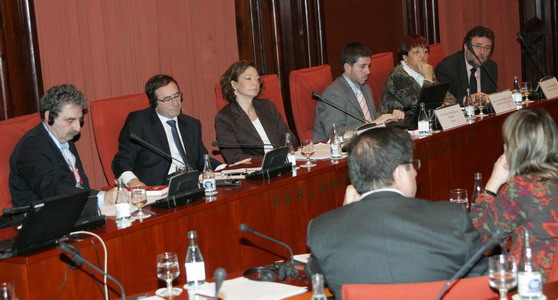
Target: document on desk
321, 151
246, 289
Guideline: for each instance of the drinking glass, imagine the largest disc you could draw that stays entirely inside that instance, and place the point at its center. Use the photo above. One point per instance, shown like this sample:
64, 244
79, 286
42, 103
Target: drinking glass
502, 274
481, 102
168, 269
7, 291
348, 136
526, 89
307, 149
139, 199
459, 196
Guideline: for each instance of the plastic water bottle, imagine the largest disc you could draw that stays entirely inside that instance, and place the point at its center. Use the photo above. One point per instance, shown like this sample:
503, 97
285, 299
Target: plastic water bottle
122, 206
529, 279
423, 122
335, 144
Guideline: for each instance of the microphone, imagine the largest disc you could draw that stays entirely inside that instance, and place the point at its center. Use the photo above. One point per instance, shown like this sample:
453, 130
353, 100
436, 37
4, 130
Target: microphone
286, 269
219, 275
76, 257
15, 210
537, 94
246, 228
162, 153
470, 47
236, 146
495, 239
321, 98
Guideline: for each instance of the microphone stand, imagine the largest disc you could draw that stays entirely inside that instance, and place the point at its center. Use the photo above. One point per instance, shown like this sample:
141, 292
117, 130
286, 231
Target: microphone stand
321, 98
76, 257
470, 47
147, 145
531, 55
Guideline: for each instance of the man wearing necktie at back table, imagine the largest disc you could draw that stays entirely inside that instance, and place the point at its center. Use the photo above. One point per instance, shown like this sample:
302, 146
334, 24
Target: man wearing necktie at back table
463, 70
164, 126
350, 93
45, 163
386, 235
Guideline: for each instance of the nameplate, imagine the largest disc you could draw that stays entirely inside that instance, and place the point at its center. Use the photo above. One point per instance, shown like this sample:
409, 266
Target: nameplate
450, 116
549, 88
502, 101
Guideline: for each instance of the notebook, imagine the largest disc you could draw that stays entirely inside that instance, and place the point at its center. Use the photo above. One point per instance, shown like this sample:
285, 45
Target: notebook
46, 221
433, 96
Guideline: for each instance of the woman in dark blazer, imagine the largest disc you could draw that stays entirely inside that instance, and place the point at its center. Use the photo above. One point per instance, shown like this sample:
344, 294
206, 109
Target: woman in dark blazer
247, 119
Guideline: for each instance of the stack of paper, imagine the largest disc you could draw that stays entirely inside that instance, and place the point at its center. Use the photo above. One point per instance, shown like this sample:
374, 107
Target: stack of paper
246, 289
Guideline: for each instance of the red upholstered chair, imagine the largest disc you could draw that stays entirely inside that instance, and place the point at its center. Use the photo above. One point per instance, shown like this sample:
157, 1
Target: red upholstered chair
436, 54
108, 117
553, 274
467, 288
382, 65
11, 131
302, 83
272, 91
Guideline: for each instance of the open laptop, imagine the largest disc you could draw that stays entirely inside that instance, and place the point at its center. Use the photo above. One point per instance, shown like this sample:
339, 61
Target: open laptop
433, 97
46, 221
183, 188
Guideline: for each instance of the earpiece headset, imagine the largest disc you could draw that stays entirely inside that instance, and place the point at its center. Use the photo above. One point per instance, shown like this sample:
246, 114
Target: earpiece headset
51, 116
269, 273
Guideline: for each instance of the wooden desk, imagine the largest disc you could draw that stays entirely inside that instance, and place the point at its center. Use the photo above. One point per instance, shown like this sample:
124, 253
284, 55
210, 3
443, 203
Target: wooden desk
280, 207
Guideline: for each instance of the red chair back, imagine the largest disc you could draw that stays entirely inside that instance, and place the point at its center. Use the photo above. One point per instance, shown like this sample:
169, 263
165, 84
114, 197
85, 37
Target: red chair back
302, 83
11, 131
466, 288
382, 65
436, 54
553, 274
108, 117
271, 91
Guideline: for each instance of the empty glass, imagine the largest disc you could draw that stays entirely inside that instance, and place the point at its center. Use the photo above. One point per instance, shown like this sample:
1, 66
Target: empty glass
459, 196
502, 274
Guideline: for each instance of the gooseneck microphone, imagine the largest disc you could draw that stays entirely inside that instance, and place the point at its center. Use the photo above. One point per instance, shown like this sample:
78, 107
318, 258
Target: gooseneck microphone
470, 47
76, 256
246, 228
219, 275
326, 101
162, 153
237, 146
495, 239
15, 210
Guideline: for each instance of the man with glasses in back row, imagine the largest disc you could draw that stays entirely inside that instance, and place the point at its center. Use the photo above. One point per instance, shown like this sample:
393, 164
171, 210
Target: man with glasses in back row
463, 70
164, 126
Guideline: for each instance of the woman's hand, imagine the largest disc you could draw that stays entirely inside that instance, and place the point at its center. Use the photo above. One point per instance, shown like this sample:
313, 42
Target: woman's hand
500, 174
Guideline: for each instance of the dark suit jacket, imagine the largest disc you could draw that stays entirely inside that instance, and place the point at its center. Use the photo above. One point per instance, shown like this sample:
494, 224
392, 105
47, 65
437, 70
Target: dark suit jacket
388, 238
340, 93
452, 69
233, 126
149, 167
38, 169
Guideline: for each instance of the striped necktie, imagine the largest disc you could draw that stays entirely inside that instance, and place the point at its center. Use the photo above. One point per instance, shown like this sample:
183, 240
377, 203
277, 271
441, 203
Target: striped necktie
363, 105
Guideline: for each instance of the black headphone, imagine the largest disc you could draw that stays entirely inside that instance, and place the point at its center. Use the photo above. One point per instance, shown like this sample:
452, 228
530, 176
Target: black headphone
269, 273
51, 116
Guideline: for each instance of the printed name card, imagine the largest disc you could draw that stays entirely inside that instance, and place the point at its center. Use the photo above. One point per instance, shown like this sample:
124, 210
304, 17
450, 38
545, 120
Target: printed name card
450, 116
549, 88
502, 101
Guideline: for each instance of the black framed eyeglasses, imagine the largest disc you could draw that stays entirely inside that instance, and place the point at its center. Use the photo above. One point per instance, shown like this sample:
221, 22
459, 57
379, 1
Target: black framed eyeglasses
177, 96
414, 162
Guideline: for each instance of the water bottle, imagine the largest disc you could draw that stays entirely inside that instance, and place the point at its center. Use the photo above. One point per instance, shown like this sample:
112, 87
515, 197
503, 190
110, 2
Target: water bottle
529, 279
318, 287
194, 265
469, 105
335, 144
516, 93
291, 154
423, 122
208, 177
477, 188
122, 205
